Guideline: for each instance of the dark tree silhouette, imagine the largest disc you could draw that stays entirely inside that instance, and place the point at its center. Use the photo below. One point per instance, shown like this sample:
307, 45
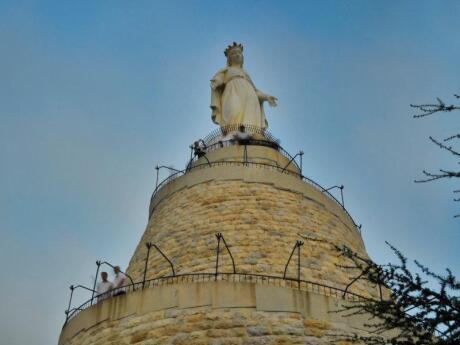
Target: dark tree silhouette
413, 308
431, 109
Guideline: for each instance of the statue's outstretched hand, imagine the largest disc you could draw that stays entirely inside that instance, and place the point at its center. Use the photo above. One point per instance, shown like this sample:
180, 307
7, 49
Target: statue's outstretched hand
272, 101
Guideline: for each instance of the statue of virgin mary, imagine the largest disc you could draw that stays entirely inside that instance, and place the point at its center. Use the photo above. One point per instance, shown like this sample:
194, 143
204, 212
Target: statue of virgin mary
234, 98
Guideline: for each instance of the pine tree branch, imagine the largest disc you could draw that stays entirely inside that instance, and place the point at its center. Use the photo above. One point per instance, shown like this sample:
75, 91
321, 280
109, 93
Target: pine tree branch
417, 312
455, 136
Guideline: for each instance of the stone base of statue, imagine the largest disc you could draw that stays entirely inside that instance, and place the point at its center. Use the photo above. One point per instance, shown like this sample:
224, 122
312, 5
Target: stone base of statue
230, 271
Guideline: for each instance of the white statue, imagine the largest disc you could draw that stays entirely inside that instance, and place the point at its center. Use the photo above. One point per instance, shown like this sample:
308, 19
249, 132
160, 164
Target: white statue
234, 97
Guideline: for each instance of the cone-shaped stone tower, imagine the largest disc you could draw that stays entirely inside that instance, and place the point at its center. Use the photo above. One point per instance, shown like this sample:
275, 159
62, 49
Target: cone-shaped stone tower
223, 259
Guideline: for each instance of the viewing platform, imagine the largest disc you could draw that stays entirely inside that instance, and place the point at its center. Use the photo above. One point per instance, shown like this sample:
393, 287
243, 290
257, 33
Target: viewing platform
244, 146
204, 293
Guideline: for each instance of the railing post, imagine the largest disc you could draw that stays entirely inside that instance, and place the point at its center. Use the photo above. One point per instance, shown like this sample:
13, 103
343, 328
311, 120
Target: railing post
70, 303
301, 162
157, 168
291, 160
189, 165
218, 236
353, 281
289, 260
166, 258
230, 253
207, 160
148, 245
299, 244
341, 194
98, 263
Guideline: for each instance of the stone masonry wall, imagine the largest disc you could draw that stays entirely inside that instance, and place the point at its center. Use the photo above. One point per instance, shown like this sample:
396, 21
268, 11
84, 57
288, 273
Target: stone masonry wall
261, 212
214, 313
208, 326
260, 223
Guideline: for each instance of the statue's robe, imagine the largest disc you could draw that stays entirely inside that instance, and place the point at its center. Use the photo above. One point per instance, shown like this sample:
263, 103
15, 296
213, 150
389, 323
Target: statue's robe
235, 99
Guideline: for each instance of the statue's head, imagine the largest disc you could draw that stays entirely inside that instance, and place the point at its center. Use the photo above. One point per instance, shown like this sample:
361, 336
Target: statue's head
234, 54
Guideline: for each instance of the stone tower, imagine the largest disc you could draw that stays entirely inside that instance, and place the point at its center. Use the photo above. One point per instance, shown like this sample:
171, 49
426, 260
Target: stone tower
222, 259
220, 235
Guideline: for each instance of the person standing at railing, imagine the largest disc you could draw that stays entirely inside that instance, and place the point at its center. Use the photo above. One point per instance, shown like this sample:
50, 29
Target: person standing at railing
119, 281
104, 287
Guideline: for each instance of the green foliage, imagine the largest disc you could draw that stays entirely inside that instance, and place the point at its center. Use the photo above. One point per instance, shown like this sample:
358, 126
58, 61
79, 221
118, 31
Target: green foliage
414, 308
422, 307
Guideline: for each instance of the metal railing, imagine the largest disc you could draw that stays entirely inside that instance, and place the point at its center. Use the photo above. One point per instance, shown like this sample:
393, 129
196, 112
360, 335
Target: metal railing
234, 276
235, 142
299, 284
210, 143
223, 131
253, 164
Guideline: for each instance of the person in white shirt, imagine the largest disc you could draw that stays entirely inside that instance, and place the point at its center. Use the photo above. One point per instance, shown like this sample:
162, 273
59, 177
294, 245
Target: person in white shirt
119, 281
103, 287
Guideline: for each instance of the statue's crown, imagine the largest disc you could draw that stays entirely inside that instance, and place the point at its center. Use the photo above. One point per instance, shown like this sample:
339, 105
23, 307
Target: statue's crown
233, 46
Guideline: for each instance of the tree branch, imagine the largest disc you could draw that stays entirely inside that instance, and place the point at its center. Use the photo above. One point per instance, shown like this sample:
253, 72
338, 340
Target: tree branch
430, 109
455, 136
417, 312
432, 177
448, 148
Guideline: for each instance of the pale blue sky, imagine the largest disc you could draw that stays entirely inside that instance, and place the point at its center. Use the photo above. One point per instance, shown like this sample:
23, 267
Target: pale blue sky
94, 94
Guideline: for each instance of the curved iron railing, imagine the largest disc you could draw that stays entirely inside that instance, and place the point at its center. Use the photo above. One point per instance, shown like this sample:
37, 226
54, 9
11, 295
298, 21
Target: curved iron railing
253, 164
223, 131
234, 142
210, 143
304, 285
